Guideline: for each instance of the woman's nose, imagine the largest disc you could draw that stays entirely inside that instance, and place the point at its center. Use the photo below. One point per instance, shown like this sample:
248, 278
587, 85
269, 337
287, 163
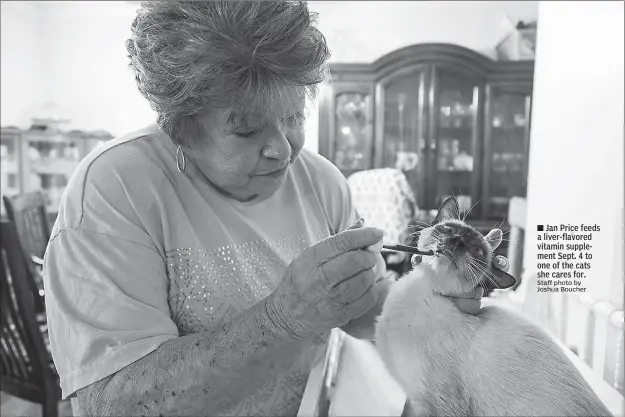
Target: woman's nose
277, 146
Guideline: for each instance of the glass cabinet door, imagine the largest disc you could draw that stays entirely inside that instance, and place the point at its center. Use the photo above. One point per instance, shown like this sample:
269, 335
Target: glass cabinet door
507, 145
454, 140
401, 140
353, 130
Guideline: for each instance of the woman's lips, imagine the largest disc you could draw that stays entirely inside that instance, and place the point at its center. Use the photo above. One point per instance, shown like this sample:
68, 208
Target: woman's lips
275, 174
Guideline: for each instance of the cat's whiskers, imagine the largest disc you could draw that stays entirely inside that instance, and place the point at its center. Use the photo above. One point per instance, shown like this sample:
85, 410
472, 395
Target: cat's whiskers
478, 262
471, 208
418, 223
481, 276
485, 269
496, 227
411, 235
493, 279
511, 241
473, 273
487, 277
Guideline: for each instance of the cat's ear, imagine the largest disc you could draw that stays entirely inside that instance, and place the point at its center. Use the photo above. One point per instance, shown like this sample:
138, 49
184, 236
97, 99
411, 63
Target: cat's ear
448, 211
499, 280
494, 238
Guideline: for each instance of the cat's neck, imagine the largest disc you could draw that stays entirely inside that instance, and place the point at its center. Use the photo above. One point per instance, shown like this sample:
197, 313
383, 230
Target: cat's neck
421, 290
425, 296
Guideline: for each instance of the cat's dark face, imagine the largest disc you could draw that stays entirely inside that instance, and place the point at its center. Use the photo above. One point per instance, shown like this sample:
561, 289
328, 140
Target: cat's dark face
463, 256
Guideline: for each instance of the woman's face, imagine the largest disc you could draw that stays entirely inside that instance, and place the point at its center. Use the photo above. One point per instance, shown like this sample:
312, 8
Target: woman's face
247, 157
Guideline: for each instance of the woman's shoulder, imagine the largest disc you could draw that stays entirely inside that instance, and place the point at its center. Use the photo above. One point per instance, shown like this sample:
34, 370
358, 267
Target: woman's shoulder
120, 169
125, 153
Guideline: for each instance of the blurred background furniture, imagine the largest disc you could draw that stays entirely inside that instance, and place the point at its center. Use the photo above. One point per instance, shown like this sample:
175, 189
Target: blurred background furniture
28, 214
42, 158
385, 200
27, 370
454, 121
516, 237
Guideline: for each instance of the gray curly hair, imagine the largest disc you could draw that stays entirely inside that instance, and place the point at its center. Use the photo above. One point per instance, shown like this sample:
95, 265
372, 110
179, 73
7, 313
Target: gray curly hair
192, 56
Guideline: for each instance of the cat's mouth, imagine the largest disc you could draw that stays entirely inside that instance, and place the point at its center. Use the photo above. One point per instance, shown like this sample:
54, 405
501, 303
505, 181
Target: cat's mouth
446, 254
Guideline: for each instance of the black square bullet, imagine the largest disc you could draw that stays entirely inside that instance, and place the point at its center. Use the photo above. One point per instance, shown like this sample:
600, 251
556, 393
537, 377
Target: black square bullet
540, 228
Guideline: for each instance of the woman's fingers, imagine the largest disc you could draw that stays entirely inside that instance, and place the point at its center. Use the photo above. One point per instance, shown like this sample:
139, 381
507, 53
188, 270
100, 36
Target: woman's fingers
500, 270
376, 247
343, 242
346, 266
353, 288
501, 263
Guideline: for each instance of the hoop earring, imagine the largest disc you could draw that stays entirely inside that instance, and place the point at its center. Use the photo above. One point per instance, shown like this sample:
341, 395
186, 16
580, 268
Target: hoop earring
182, 167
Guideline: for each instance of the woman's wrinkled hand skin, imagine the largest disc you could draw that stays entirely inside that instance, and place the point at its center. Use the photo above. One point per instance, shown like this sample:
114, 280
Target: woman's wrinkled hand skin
472, 302
328, 285
363, 327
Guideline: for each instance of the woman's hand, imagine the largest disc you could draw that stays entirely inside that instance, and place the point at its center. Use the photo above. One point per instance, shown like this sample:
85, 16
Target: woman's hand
363, 327
328, 284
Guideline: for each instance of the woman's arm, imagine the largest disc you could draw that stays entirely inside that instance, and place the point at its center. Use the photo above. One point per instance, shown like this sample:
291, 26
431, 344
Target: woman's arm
208, 373
198, 374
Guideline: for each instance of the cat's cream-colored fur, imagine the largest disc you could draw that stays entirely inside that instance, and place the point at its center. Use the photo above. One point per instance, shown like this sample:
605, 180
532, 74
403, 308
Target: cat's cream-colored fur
495, 363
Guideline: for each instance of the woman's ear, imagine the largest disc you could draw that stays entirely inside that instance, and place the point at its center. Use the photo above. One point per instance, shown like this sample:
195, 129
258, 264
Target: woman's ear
448, 211
494, 238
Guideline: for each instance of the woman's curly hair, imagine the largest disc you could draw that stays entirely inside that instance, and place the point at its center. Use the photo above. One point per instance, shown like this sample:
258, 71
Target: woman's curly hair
192, 56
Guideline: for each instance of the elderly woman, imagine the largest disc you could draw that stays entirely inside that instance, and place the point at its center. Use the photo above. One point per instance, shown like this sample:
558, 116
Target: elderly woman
197, 266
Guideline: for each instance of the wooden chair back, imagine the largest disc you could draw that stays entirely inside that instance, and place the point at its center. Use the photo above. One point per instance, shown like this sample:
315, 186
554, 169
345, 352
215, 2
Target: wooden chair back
28, 214
27, 371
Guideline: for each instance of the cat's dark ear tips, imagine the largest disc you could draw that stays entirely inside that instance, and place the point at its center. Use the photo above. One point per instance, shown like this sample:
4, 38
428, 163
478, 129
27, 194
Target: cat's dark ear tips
501, 280
450, 210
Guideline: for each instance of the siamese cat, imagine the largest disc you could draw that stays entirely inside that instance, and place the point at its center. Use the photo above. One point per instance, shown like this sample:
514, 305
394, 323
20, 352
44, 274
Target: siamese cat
449, 363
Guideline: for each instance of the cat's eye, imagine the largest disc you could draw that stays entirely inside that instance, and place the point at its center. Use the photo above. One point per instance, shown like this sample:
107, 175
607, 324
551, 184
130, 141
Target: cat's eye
479, 252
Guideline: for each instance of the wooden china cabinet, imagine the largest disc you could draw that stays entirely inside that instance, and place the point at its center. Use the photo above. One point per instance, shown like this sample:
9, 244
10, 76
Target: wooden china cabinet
455, 121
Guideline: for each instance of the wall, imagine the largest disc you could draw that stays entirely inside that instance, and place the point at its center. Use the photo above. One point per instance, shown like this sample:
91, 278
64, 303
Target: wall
86, 66
362, 31
576, 155
88, 72
22, 62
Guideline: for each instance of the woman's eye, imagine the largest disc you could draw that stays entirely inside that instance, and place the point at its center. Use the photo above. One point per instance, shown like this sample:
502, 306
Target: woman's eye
246, 134
295, 121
